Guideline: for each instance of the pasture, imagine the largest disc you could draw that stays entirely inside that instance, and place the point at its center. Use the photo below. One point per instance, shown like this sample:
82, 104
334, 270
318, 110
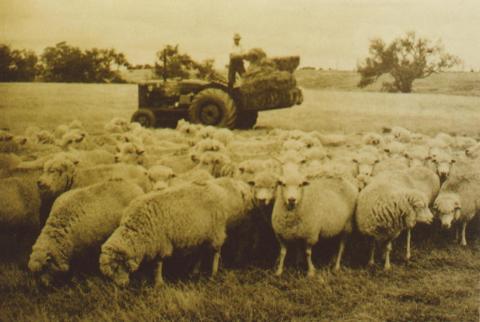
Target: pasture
440, 283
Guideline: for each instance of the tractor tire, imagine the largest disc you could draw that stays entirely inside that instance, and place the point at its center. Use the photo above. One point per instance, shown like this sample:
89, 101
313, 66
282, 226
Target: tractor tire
246, 120
145, 117
213, 106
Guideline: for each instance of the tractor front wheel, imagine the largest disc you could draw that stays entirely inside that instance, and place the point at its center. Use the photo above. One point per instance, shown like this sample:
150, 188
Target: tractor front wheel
213, 106
145, 117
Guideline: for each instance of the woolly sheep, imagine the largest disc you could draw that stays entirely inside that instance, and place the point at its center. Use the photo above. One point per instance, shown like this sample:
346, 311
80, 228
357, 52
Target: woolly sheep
117, 125
155, 225
417, 155
390, 164
308, 210
61, 174
442, 162
130, 153
473, 152
394, 149
264, 184
459, 201
371, 138
401, 134
395, 201
79, 219
365, 160
293, 145
464, 142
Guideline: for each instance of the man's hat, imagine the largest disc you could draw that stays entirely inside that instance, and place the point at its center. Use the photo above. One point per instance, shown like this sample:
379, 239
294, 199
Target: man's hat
237, 36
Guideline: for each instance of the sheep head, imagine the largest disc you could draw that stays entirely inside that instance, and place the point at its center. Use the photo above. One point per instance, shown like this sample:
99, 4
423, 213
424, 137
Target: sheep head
264, 184
447, 208
290, 185
57, 176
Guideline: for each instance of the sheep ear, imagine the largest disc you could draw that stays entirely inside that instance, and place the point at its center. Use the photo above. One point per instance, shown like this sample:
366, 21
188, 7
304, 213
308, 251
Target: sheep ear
251, 182
241, 169
355, 160
377, 161
453, 160
140, 152
305, 183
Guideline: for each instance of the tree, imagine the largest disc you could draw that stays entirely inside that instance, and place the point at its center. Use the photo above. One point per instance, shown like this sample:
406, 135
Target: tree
205, 70
65, 63
17, 65
171, 63
406, 59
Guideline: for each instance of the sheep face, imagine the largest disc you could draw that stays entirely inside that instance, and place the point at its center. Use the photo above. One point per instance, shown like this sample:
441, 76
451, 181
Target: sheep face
443, 163
72, 138
45, 266
291, 189
365, 164
292, 156
117, 265
130, 153
160, 173
264, 185
447, 208
57, 176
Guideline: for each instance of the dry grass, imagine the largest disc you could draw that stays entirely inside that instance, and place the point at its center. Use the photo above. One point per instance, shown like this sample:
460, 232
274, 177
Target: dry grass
441, 283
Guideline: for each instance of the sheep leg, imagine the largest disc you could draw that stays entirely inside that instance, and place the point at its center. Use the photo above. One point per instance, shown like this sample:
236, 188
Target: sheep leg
341, 248
281, 259
371, 261
464, 239
409, 236
216, 260
311, 267
388, 249
159, 274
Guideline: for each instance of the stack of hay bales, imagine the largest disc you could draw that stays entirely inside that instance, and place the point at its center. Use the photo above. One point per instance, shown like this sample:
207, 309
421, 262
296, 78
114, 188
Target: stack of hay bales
269, 82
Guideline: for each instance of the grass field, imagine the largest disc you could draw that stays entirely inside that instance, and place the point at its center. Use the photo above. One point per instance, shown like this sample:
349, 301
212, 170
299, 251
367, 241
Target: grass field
440, 283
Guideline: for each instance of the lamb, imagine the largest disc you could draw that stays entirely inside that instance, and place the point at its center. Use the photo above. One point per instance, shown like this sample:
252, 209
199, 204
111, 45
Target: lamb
19, 203
307, 210
395, 201
459, 200
80, 219
155, 225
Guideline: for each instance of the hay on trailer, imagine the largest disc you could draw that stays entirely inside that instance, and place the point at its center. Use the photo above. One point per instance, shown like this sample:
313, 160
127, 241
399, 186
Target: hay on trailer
287, 63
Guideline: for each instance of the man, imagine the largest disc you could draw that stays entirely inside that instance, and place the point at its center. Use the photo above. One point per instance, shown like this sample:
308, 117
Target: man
236, 61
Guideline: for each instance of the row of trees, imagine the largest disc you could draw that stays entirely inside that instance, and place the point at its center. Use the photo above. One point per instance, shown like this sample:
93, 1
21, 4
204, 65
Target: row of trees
65, 63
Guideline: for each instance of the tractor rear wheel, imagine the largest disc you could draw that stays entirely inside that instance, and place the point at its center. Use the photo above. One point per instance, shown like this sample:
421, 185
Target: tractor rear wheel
247, 120
145, 117
213, 106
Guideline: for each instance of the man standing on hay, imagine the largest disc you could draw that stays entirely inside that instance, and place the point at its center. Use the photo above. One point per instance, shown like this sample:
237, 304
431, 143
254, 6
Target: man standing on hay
236, 61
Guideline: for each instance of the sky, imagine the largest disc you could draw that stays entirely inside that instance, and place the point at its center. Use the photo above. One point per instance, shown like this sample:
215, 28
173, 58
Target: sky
325, 33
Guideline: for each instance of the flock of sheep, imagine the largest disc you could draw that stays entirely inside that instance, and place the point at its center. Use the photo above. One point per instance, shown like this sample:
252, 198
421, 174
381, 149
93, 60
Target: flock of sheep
141, 194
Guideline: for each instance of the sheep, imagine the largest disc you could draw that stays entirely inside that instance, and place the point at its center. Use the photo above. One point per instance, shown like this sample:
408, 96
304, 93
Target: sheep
442, 162
417, 155
19, 203
80, 219
155, 225
371, 138
395, 201
160, 176
365, 160
473, 152
264, 184
130, 153
401, 134
333, 140
117, 125
315, 153
390, 164
458, 201
394, 149
307, 210
464, 142
10, 143
62, 174
293, 145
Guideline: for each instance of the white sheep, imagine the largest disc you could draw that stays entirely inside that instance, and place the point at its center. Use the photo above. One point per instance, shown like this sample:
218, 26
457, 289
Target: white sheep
464, 142
365, 160
401, 134
459, 201
80, 219
264, 184
117, 125
305, 210
473, 152
394, 201
394, 149
62, 174
372, 138
442, 162
417, 155
155, 225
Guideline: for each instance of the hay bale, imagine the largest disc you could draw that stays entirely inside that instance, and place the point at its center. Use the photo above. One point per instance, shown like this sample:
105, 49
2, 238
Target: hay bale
287, 63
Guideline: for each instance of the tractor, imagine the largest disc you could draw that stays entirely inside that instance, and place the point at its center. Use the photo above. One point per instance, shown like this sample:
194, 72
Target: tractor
163, 103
